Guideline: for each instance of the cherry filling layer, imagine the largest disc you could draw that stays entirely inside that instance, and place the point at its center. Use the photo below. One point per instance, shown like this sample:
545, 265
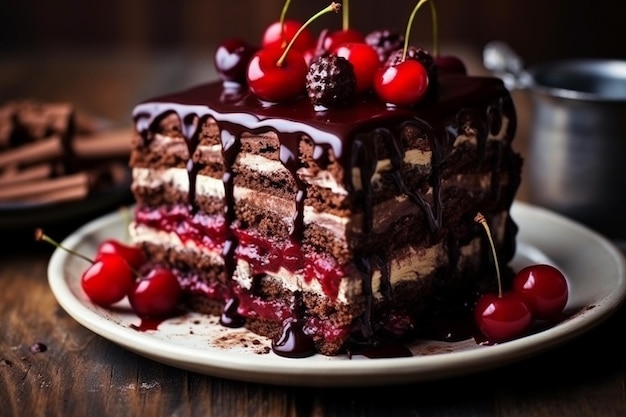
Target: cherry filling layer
263, 255
252, 306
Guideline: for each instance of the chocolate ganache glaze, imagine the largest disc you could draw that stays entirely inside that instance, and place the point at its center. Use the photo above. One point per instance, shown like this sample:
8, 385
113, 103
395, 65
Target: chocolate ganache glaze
353, 134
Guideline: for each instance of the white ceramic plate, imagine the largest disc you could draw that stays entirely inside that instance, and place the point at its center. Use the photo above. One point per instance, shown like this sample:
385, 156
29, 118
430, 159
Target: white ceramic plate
594, 267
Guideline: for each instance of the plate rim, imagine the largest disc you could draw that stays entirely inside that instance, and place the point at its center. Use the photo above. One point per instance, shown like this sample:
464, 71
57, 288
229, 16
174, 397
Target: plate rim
339, 372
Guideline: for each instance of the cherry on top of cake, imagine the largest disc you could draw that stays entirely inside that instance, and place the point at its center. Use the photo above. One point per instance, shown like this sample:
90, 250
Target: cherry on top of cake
337, 70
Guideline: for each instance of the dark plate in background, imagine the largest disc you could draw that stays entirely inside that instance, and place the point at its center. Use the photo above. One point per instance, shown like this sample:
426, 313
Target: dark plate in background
60, 219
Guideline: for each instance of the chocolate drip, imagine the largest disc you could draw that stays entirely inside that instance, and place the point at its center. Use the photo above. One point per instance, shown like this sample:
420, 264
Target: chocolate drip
290, 158
469, 124
148, 124
364, 268
231, 146
228, 253
397, 158
230, 317
366, 265
293, 341
365, 157
494, 116
190, 132
495, 174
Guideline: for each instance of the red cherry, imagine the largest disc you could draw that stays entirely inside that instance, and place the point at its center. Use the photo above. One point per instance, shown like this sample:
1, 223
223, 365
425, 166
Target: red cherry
275, 82
156, 294
502, 318
107, 280
365, 61
231, 60
403, 84
274, 37
279, 74
134, 255
544, 289
450, 64
335, 39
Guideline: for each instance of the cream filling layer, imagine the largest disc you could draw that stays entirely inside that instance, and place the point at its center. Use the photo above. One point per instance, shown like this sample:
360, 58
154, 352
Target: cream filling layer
415, 157
384, 212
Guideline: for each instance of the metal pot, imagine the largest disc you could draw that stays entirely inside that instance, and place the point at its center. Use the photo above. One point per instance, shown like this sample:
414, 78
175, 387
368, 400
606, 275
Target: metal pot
576, 159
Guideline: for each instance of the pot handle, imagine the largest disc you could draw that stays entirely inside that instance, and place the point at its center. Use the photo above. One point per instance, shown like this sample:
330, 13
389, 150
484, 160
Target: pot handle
505, 63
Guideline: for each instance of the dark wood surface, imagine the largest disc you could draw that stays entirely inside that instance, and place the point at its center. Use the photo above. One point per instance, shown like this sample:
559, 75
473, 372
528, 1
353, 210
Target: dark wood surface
83, 374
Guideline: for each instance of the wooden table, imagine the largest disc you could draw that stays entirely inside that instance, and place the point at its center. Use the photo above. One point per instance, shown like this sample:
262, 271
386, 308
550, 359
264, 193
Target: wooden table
82, 374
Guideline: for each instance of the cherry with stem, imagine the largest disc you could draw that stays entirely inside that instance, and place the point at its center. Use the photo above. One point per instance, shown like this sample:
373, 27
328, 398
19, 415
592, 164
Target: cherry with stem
502, 316
109, 278
333, 7
480, 219
345, 35
403, 83
283, 13
446, 64
41, 236
106, 280
279, 33
278, 75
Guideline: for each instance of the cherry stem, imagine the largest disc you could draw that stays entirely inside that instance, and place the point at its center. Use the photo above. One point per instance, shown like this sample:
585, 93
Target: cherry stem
283, 13
333, 7
433, 12
40, 235
479, 218
346, 15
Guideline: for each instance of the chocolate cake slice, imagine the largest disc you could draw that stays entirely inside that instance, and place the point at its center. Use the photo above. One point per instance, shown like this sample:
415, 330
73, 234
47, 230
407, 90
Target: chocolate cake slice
327, 230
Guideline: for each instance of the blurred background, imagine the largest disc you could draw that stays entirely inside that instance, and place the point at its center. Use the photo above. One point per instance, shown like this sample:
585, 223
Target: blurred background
538, 29
174, 41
